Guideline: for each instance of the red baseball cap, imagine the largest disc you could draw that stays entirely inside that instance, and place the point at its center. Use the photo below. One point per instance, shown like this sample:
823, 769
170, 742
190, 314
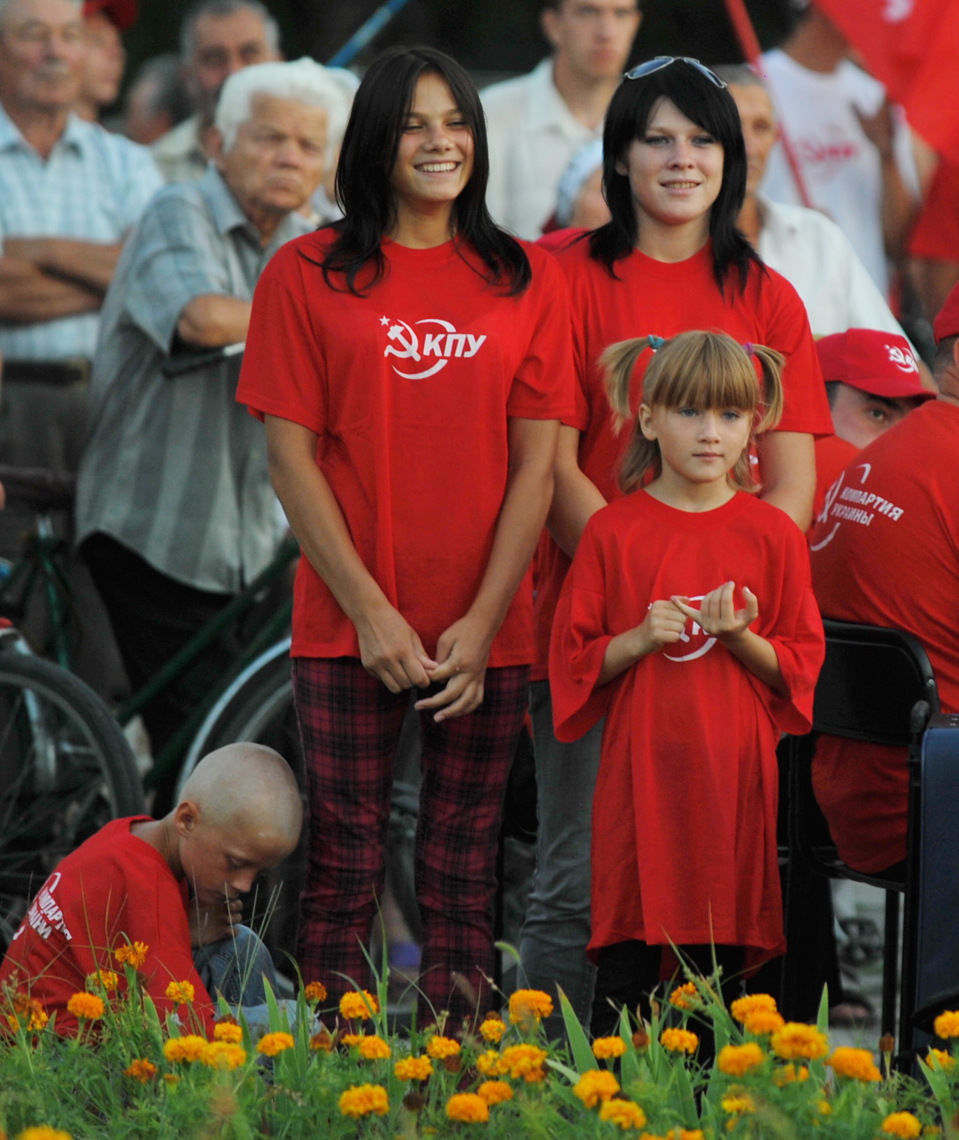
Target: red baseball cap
947, 322
123, 13
876, 362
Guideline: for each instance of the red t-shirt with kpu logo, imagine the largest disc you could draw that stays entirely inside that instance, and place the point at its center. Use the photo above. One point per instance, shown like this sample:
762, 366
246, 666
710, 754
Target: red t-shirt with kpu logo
684, 812
409, 389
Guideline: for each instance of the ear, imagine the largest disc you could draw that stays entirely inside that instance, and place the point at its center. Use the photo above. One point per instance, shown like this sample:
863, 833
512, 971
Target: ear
185, 817
547, 21
645, 419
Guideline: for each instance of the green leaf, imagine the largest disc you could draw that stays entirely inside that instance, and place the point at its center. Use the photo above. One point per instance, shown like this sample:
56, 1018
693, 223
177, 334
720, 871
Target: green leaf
579, 1045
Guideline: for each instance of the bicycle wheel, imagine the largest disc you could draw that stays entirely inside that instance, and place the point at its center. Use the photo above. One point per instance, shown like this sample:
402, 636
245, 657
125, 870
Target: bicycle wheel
66, 769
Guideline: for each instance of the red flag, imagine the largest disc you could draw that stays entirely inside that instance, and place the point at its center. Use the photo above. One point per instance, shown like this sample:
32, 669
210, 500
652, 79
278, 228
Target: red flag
912, 48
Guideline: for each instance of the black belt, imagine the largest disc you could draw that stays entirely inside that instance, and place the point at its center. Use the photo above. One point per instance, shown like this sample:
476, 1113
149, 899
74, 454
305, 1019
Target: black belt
74, 370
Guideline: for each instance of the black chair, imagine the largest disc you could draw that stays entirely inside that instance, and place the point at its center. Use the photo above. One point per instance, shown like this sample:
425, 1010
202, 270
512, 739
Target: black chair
876, 686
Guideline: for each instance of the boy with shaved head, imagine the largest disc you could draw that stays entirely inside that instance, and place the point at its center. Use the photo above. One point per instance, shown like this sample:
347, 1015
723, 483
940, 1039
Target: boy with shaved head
173, 884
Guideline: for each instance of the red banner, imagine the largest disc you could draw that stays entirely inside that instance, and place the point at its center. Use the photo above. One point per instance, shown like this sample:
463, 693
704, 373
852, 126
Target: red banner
912, 47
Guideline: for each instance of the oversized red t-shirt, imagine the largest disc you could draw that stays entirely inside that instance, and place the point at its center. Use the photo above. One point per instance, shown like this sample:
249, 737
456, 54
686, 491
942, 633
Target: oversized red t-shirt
114, 889
409, 390
684, 812
886, 552
665, 299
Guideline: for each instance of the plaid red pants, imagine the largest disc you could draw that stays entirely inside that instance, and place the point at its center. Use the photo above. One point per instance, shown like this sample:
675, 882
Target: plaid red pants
350, 725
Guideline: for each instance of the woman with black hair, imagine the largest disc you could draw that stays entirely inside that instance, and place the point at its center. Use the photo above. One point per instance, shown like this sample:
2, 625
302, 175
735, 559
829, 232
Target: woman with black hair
669, 260
411, 363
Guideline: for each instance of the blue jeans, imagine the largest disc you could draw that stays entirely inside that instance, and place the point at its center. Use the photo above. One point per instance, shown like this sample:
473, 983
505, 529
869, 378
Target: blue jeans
236, 967
556, 930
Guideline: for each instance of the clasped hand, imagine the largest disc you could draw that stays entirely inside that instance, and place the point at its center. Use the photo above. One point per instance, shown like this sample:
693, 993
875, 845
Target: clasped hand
214, 923
716, 615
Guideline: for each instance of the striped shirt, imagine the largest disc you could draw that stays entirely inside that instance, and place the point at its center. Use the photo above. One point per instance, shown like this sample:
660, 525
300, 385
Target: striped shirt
94, 187
174, 468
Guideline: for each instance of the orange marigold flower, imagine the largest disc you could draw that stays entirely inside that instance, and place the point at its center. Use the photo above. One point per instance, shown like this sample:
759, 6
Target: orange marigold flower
495, 1092
467, 1107
140, 1070
744, 1006
413, 1069
799, 1042
322, 1042
187, 1048
947, 1024
38, 1019
273, 1043
857, 1064
679, 1040
685, 996
763, 1022
223, 1055
103, 979
640, 1039
43, 1132
358, 1005
492, 1029
595, 1085
946, 1060
351, 1039
132, 953
182, 993
737, 1060
86, 1006
315, 992
738, 1103
364, 1100
228, 1031
606, 1047
529, 1005
488, 1063
902, 1124
522, 1061
374, 1048
622, 1112
440, 1047
688, 1134
786, 1074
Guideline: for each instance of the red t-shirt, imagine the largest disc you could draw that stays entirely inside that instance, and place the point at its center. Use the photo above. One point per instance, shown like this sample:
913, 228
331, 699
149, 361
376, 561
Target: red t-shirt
409, 390
935, 234
886, 552
665, 299
113, 889
684, 812
833, 456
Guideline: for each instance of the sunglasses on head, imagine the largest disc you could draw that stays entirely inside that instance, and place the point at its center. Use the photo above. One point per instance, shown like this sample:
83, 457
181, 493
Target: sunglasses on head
660, 61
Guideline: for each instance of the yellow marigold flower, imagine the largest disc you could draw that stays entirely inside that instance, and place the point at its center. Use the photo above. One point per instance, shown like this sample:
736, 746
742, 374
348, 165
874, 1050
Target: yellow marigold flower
744, 1006
223, 1055
413, 1069
688, 1134
825, 1108
351, 1039
737, 1060
524, 1061
799, 1042
856, 1064
624, 1113
946, 1060
595, 1085
947, 1024
679, 1040
43, 1132
140, 1070
315, 992
736, 1104
526, 1005
132, 953
364, 1100
685, 996
488, 1063
902, 1124
187, 1048
606, 1047
274, 1043
182, 993
322, 1042
374, 1048
104, 979
785, 1074
440, 1047
358, 1005
495, 1092
87, 1006
38, 1019
468, 1107
763, 1022
228, 1031
492, 1029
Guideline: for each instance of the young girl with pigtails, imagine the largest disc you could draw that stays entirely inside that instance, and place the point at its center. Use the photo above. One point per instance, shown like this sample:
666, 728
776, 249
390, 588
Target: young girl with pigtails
688, 622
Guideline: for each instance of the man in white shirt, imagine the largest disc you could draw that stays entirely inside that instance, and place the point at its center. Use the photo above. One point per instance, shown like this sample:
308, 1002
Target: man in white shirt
538, 121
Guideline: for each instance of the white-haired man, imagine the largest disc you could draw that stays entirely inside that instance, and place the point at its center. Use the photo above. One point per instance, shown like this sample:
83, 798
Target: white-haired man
174, 508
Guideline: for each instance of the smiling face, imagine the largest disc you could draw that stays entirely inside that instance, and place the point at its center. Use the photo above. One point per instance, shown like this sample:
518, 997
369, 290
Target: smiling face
675, 172
41, 55
434, 159
698, 445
